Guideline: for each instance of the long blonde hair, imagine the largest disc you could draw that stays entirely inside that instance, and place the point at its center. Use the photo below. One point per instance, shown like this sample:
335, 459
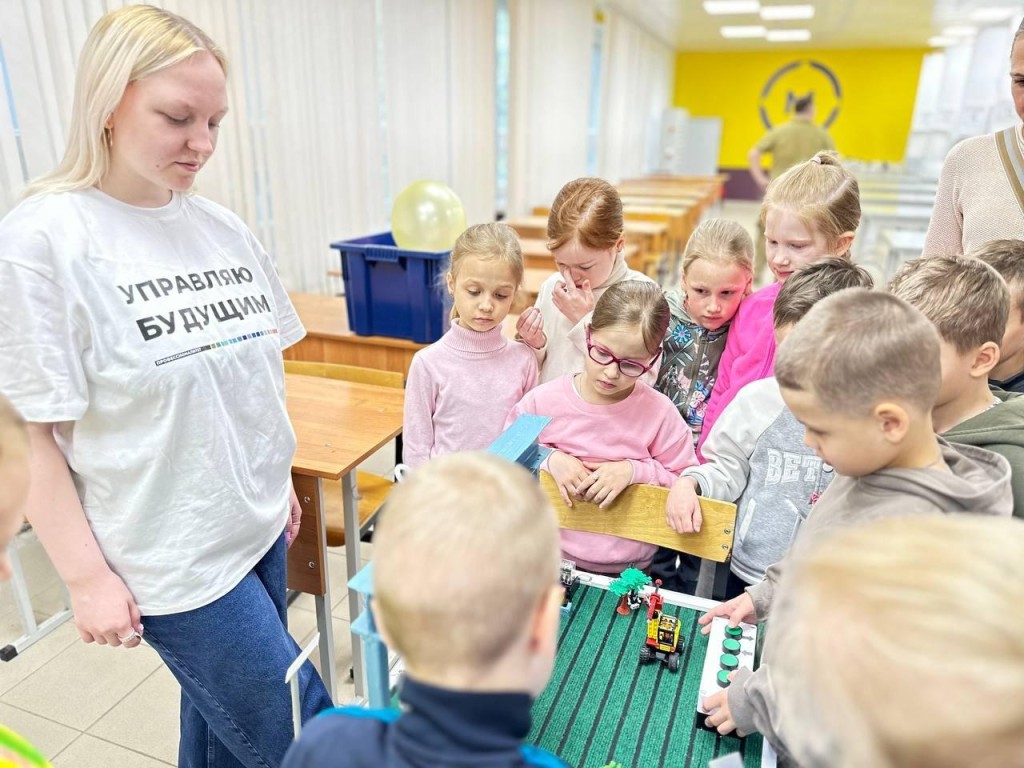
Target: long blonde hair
822, 193
125, 45
492, 242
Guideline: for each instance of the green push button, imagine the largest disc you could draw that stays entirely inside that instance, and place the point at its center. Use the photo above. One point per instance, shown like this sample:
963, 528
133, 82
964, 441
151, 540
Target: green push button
723, 678
736, 632
729, 661
731, 646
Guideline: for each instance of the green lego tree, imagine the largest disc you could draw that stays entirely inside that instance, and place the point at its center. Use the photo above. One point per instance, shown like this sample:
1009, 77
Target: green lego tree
628, 587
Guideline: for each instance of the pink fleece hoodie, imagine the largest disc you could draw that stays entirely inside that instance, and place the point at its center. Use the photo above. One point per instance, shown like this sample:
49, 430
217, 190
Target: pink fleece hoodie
645, 428
749, 354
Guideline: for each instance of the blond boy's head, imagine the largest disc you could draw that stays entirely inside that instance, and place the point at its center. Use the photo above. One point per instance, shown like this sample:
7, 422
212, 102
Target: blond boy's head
466, 559
861, 372
927, 667
968, 302
14, 464
1007, 258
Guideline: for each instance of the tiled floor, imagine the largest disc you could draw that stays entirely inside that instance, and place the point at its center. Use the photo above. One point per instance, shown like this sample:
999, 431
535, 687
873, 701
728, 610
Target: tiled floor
88, 706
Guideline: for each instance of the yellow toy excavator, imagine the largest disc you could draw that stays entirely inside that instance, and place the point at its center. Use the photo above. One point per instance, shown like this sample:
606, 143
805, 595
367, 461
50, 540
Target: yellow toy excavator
663, 642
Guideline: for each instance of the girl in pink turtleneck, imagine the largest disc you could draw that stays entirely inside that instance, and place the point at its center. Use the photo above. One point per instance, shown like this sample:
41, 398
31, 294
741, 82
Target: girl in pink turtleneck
461, 388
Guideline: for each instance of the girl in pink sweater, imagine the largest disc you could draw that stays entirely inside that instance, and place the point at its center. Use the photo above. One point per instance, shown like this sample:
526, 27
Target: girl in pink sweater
809, 212
461, 388
608, 428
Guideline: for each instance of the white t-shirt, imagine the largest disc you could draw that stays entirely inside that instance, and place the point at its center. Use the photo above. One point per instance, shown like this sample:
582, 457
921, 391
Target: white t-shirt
153, 337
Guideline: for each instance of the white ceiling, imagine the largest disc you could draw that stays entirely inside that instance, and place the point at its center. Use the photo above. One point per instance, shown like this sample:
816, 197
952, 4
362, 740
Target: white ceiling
685, 25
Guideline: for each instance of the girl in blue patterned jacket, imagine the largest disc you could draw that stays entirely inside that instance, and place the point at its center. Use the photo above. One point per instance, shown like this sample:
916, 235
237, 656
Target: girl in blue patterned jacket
718, 266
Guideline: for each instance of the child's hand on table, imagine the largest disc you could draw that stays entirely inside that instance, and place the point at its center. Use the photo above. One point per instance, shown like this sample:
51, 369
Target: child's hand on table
568, 472
683, 508
739, 609
607, 479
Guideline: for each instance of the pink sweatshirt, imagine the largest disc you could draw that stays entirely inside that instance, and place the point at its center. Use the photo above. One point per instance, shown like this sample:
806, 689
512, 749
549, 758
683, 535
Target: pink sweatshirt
460, 389
644, 428
749, 353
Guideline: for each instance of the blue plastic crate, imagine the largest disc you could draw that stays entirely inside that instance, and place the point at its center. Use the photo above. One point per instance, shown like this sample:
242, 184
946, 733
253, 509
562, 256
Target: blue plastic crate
391, 291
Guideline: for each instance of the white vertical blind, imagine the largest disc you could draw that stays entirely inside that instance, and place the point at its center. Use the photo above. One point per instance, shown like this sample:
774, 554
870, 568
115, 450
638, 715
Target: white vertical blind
439, 86
549, 96
637, 75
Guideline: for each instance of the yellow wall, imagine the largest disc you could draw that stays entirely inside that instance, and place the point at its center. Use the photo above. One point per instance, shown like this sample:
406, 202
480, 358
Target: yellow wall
878, 88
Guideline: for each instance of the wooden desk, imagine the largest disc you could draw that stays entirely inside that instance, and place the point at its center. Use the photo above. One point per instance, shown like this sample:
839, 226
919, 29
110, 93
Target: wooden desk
338, 425
329, 339
713, 185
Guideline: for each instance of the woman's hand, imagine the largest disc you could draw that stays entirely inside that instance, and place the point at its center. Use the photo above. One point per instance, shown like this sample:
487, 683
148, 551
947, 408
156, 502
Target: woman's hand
568, 472
575, 303
530, 328
607, 479
105, 611
291, 531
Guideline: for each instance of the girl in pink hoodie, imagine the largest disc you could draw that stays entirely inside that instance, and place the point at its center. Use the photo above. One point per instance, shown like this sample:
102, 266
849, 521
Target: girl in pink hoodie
809, 212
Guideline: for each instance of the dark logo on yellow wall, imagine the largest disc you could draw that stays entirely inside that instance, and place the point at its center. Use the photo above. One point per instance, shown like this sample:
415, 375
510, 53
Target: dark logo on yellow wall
794, 81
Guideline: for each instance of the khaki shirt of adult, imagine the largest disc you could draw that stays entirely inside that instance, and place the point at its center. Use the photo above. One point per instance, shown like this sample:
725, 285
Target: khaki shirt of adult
793, 142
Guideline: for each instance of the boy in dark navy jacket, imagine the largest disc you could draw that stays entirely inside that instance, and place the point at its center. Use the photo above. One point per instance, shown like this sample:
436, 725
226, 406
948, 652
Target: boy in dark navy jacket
466, 560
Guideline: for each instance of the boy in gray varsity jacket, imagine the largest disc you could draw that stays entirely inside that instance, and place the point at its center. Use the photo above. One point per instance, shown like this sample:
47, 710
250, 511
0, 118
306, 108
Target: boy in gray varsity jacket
755, 455
861, 372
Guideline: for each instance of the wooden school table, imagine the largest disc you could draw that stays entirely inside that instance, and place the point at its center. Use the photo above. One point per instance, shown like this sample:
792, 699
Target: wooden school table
711, 187
329, 339
338, 425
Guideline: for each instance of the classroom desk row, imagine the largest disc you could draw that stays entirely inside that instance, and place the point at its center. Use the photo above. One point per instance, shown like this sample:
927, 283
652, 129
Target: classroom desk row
338, 425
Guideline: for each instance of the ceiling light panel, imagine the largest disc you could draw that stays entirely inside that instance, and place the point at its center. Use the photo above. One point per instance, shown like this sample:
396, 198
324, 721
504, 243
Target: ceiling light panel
731, 7
740, 32
787, 12
788, 35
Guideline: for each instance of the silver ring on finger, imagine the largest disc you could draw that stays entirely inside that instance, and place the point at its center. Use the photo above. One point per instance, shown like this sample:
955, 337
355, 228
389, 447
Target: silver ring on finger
129, 637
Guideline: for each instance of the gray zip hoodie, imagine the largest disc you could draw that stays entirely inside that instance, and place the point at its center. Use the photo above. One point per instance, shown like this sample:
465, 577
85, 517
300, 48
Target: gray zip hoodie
978, 482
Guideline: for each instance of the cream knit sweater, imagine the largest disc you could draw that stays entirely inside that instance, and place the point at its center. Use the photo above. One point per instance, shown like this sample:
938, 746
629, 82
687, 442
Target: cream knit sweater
974, 202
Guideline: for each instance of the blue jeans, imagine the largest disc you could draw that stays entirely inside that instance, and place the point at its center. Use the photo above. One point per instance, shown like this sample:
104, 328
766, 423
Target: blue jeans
230, 658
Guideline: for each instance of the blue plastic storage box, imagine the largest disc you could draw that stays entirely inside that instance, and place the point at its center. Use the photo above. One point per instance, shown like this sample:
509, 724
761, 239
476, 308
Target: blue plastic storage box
391, 291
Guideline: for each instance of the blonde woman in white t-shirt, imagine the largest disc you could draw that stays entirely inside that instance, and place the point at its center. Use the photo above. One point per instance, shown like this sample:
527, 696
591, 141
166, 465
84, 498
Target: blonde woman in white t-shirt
142, 336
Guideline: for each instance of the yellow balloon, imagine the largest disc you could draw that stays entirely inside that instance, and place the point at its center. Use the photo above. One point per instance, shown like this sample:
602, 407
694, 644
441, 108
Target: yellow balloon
427, 216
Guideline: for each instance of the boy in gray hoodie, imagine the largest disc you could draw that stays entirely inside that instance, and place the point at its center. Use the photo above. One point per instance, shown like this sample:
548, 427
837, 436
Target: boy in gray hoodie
861, 372
968, 301
755, 454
